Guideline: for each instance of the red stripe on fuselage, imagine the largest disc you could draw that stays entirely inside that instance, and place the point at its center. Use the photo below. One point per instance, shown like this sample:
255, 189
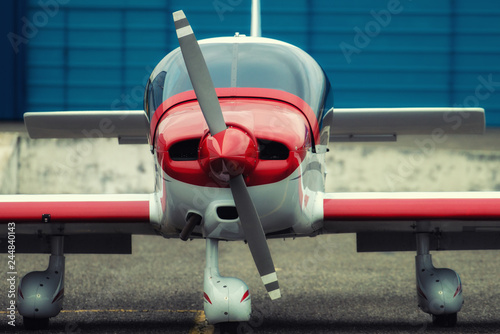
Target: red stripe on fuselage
270, 120
72, 212
412, 209
239, 92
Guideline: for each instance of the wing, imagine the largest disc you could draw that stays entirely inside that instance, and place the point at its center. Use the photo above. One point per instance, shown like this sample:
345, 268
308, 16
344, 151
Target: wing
388, 221
385, 124
129, 126
85, 219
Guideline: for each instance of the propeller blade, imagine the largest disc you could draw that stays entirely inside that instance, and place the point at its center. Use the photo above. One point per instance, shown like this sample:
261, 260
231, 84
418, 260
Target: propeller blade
256, 238
199, 75
209, 103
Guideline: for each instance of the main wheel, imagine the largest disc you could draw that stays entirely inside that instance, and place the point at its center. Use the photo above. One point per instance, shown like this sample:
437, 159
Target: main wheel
445, 320
35, 324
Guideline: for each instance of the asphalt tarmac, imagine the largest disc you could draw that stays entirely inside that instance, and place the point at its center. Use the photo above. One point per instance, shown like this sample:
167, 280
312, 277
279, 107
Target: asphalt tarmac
326, 286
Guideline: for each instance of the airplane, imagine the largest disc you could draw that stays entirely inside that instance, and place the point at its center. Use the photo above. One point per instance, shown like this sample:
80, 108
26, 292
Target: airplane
239, 128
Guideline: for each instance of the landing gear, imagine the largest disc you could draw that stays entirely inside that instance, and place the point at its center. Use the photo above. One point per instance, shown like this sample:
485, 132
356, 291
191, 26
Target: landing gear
40, 293
439, 290
226, 299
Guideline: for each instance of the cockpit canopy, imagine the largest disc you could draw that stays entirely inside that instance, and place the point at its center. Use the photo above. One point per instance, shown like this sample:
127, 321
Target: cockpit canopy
244, 62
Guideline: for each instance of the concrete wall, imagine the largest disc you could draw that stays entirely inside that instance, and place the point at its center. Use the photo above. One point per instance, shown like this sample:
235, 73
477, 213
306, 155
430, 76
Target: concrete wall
102, 166
393, 167
51, 166
9, 159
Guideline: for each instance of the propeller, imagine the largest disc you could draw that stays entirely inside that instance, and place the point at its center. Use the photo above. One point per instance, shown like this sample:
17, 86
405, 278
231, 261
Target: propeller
227, 154
199, 75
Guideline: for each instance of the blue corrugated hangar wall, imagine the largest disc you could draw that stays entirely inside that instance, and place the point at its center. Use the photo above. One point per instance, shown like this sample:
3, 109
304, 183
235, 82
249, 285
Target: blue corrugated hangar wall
94, 54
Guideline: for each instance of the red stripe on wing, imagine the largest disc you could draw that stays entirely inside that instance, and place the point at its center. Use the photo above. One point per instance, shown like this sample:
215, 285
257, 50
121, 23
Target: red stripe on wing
75, 211
412, 209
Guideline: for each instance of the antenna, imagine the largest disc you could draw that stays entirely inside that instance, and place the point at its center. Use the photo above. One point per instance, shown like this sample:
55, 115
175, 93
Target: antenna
255, 30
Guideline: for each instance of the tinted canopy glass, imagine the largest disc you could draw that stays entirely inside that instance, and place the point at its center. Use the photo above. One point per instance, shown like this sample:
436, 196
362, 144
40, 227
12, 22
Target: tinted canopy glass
244, 62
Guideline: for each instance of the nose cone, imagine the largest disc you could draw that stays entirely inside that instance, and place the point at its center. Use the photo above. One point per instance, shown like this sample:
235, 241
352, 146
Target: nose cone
228, 154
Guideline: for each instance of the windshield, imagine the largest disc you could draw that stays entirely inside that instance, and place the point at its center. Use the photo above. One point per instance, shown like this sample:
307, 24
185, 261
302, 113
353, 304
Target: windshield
244, 62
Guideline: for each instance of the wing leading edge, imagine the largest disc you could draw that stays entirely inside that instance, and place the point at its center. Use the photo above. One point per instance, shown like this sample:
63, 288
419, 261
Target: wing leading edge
76, 214
397, 212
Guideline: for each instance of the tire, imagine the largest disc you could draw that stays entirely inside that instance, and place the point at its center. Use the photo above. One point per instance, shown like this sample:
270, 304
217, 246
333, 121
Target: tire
35, 324
445, 320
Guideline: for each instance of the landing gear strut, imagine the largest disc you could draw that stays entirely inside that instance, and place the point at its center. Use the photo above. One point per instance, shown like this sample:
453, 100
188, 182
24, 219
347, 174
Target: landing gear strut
439, 290
40, 293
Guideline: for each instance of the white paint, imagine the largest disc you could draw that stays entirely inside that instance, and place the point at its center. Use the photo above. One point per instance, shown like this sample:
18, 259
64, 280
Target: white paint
275, 294
184, 31
179, 15
414, 195
75, 198
269, 278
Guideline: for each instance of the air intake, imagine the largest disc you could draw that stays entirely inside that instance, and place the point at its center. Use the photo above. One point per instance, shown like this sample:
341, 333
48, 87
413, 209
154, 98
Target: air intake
227, 212
186, 150
272, 150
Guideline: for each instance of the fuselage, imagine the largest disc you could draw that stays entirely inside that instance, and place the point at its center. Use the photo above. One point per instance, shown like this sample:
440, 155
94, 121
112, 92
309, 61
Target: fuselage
275, 94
